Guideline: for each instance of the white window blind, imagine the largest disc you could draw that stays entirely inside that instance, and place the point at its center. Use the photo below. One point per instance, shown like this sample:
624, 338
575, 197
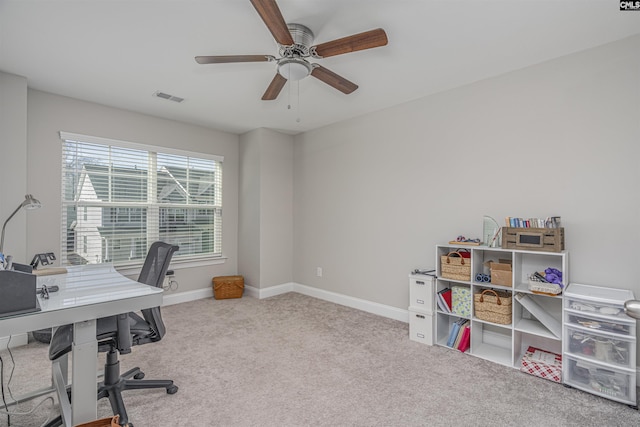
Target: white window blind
118, 198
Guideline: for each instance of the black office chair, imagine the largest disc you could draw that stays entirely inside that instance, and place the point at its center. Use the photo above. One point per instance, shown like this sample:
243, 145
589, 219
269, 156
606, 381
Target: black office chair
117, 334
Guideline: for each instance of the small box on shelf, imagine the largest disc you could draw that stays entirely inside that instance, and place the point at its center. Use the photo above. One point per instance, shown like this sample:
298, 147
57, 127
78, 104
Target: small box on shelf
533, 239
501, 273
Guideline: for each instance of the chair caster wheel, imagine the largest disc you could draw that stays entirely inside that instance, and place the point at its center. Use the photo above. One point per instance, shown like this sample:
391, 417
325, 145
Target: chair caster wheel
139, 376
172, 389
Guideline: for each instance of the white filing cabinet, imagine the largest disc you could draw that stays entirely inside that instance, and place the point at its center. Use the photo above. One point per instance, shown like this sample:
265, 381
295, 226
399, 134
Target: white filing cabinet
599, 345
421, 322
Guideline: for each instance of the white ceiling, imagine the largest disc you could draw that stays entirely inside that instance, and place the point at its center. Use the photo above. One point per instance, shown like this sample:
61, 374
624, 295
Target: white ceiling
119, 53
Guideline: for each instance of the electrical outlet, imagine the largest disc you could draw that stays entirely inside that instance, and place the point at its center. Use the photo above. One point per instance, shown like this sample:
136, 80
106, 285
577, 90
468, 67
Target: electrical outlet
319, 271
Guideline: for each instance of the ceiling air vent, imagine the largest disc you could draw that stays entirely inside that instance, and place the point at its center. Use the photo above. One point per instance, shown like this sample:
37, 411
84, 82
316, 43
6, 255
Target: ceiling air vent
168, 97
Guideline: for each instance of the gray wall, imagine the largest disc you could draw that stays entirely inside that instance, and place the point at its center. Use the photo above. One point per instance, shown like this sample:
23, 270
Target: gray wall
249, 209
276, 201
13, 163
369, 198
48, 114
266, 208
374, 195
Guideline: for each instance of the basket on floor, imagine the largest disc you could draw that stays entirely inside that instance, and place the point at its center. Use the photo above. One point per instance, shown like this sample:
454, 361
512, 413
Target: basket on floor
493, 306
104, 422
225, 287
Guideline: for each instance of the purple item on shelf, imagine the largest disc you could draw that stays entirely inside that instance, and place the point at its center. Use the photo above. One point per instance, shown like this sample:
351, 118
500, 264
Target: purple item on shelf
553, 275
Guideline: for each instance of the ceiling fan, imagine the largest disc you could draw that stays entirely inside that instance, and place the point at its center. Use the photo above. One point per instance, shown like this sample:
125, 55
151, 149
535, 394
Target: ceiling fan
294, 41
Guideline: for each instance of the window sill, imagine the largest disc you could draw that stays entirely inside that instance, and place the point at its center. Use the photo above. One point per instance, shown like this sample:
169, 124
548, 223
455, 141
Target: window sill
176, 264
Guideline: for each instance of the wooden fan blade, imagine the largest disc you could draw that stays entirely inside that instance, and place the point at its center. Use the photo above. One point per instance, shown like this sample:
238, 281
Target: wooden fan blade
270, 14
274, 88
361, 41
332, 79
225, 59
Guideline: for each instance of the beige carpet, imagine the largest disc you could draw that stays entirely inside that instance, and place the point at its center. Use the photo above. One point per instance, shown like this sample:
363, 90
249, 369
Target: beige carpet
293, 360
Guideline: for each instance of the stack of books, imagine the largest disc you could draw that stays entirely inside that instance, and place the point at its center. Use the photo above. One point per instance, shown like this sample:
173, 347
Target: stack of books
548, 222
460, 335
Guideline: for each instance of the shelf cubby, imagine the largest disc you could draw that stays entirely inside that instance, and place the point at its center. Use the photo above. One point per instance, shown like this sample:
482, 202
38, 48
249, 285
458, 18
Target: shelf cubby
506, 344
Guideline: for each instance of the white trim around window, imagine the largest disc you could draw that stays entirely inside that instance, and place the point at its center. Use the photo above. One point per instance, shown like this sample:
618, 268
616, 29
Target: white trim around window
118, 197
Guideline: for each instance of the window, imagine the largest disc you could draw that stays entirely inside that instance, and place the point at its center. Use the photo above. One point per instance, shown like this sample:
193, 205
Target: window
118, 198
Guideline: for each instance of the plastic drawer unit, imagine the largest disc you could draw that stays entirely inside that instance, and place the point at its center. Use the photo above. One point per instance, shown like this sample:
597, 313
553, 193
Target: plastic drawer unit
599, 344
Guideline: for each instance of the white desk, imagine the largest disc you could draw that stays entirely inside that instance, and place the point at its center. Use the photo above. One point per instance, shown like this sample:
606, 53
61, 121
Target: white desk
86, 293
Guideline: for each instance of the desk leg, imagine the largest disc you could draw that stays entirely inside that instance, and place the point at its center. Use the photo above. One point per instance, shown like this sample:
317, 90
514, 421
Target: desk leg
59, 383
84, 388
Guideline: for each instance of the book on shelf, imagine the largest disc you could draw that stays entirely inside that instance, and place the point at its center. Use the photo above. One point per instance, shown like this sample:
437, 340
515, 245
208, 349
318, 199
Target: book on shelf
444, 300
548, 222
465, 340
453, 333
461, 300
456, 343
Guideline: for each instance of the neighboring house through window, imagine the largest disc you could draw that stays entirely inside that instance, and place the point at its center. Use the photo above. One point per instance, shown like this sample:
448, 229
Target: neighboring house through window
119, 197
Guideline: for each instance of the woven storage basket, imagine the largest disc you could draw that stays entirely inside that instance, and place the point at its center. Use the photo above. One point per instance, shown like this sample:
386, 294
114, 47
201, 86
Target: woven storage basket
225, 287
544, 288
104, 422
493, 306
454, 266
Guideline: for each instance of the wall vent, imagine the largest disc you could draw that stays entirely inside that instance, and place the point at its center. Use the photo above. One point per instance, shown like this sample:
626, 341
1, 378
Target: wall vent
168, 97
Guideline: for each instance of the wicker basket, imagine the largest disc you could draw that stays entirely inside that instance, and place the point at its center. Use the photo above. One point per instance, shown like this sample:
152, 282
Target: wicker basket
104, 422
543, 288
454, 266
225, 287
494, 308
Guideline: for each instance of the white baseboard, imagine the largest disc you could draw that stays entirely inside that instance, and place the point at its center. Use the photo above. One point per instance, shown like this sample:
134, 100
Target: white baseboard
271, 291
251, 291
16, 341
187, 296
357, 303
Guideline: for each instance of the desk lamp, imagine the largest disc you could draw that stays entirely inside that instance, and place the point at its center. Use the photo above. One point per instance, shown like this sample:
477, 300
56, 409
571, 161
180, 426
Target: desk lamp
632, 308
28, 203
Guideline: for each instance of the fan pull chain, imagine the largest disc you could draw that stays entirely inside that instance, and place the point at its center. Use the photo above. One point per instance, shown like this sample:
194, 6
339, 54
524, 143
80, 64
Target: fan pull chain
298, 119
289, 95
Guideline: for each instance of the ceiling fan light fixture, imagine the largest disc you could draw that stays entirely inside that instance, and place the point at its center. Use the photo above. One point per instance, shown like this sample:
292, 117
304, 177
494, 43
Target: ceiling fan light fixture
295, 50
294, 69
